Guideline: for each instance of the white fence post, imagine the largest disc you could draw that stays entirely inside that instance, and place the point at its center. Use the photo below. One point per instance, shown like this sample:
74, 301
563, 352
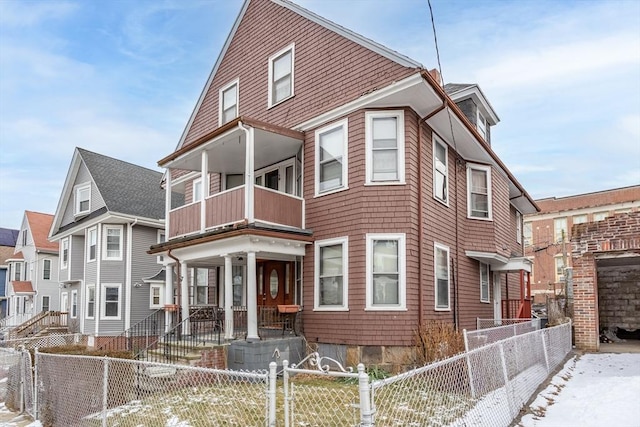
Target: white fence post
285, 382
272, 393
366, 415
105, 390
466, 340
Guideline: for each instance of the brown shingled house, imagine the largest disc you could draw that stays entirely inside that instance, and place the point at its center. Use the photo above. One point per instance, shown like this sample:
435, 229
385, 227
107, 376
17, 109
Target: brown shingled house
327, 174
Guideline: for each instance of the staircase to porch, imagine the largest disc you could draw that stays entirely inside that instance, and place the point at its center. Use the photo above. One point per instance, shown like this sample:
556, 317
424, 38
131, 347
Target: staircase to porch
43, 323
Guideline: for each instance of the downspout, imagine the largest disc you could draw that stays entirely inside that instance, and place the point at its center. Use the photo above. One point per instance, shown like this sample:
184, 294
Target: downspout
178, 284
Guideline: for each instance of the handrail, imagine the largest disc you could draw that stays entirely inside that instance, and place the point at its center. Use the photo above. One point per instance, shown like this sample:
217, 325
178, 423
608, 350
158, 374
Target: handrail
145, 330
35, 324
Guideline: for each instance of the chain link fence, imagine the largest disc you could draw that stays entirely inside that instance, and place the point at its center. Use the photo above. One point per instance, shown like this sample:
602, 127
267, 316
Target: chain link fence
53, 340
490, 323
485, 386
90, 391
16, 380
481, 337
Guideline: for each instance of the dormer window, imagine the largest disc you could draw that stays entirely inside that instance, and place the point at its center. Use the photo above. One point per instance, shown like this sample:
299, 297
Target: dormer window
281, 75
228, 102
481, 125
83, 199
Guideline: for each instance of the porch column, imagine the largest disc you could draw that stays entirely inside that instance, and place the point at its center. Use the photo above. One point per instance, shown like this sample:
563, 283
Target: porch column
249, 175
228, 298
252, 295
184, 297
168, 296
205, 191
167, 203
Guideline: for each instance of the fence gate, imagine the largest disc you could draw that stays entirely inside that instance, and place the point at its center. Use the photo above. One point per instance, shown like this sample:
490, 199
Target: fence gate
319, 391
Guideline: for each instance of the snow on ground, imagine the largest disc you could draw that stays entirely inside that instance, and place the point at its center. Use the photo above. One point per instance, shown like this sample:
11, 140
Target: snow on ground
592, 390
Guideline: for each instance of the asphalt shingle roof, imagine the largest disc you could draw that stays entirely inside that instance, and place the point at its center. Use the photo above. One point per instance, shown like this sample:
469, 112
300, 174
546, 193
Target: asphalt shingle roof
456, 87
126, 188
39, 224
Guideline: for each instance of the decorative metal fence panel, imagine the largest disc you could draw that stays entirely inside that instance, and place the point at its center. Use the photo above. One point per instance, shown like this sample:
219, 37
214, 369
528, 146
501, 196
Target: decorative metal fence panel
485, 386
481, 337
90, 391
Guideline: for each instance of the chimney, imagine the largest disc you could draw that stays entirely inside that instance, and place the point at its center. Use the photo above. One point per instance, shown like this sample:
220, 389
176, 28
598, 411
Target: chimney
436, 75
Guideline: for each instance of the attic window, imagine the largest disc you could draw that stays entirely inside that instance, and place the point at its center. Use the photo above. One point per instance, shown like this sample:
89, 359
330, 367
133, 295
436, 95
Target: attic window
481, 125
281, 75
83, 199
229, 102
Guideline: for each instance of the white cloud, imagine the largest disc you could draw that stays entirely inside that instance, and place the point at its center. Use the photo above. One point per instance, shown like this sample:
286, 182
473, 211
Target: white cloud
30, 13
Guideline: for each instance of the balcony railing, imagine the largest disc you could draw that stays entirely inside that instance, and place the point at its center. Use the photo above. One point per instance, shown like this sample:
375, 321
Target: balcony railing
228, 207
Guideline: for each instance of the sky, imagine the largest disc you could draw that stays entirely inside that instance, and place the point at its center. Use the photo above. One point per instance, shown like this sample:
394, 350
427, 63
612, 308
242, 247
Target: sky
121, 78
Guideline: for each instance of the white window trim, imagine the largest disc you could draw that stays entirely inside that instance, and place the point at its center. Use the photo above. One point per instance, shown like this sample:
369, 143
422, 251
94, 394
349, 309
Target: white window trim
160, 258
89, 230
77, 189
103, 301
487, 169
86, 303
402, 272
193, 190
518, 227
105, 235
559, 278
221, 92
44, 261
64, 242
438, 141
161, 292
557, 232
369, 116
345, 157
344, 241
74, 294
481, 124
488, 298
291, 47
437, 246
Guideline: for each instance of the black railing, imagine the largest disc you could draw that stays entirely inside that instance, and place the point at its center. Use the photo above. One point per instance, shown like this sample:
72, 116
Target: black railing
140, 336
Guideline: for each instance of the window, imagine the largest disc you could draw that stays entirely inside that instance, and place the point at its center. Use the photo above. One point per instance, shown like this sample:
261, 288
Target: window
83, 199
479, 191
92, 241
45, 303
74, 304
440, 171
46, 269
161, 239
155, 296
599, 216
112, 242
484, 282
518, 227
24, 237
528, 234
386, 272
579, 219
111, 301
64, 259
281, 75
200, 279
441, 263
331, 267
197, 190
228, 102
481, 125
237, 272
560, 229
331, 157
17, 271
235, 180
384, 140
91, 301
559, 269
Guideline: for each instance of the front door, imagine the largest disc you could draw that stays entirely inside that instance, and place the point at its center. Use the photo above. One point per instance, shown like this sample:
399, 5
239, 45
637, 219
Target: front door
273, 289
497, 299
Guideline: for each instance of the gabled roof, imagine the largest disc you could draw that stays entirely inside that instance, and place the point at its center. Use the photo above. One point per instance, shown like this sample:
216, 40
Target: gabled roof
461, 91
8, 237
39, 226
126, 189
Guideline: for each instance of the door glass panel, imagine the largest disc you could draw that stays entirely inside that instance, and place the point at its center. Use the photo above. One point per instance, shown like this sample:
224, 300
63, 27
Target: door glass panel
271, 179
273, 284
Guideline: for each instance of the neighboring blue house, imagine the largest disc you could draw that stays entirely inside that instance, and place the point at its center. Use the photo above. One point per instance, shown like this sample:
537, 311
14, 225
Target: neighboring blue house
8, 240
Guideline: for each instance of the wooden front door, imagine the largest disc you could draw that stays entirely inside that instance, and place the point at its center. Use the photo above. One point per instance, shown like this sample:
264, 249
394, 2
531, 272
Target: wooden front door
273, 290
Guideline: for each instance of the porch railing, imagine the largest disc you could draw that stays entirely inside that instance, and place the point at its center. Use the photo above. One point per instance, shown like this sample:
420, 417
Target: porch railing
516, 308
39, 322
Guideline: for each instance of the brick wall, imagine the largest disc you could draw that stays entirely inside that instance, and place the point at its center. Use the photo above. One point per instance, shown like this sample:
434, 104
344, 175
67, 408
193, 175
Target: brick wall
614, 238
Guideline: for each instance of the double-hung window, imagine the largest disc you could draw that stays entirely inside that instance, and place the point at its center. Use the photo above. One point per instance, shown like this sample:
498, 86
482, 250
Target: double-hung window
560, 267
161, 239
560, 229
481, 125
281, 66
197, 190
112, 242
200, 280
91, 302
331, 157
384, 140
440, 171
74, 304
479, 191
579, 219
25, 233
155, 296
484, 282
331, 274
228, 102
442, 277
64, 258
386, 277
46, 269
92, 243
83, 199
528, 233
111, 301
518, 227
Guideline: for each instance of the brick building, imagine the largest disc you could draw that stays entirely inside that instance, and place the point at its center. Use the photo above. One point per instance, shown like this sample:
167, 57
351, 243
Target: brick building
548, 233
